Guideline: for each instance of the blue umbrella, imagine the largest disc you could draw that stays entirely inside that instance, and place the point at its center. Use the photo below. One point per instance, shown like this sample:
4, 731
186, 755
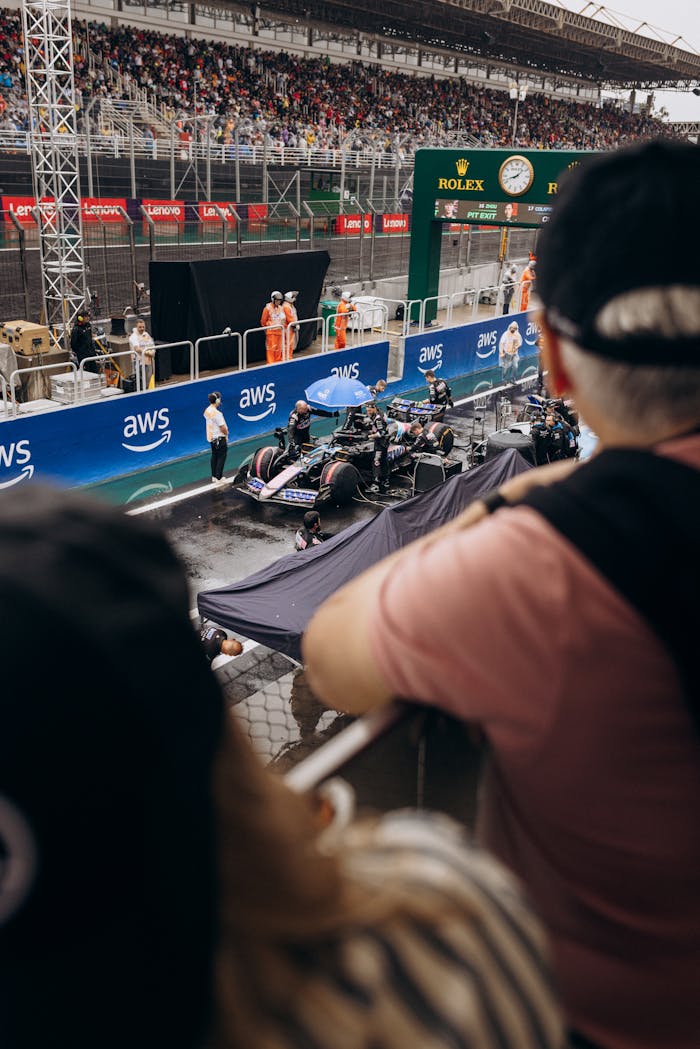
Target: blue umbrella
338, 392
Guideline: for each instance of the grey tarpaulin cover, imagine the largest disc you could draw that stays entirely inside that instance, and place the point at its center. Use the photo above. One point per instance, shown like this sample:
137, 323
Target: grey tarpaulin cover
274, 605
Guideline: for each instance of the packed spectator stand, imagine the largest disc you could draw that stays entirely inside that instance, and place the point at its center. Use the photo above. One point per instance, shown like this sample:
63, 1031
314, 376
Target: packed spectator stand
306, 103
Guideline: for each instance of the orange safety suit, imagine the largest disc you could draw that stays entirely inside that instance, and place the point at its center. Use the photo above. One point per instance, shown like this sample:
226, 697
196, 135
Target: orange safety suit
527, 278
274, 339
341, 323
291, 317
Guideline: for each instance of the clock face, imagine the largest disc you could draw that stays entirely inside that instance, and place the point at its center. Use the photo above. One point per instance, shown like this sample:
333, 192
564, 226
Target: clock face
516, 175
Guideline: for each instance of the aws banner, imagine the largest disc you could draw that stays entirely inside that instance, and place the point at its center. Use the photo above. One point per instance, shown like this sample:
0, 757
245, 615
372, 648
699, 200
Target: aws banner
453, 352
136, 431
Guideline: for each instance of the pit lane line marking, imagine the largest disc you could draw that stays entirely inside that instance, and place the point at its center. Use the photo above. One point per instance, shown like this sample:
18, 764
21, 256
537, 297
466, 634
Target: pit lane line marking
177, 498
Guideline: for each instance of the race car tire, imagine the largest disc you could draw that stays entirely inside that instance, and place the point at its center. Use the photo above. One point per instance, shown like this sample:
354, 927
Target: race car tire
265, 462
443, 434
342, 480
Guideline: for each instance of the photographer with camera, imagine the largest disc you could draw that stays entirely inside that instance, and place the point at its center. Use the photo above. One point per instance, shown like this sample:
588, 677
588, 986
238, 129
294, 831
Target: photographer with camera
550, 438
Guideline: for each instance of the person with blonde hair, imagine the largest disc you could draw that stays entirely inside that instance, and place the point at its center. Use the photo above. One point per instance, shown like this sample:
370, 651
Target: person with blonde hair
161, 888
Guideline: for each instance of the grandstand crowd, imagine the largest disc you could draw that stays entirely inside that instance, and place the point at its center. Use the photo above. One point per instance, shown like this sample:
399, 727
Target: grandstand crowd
305, 103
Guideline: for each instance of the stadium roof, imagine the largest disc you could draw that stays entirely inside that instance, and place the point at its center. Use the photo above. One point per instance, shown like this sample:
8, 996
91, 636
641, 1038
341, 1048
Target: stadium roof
527, 34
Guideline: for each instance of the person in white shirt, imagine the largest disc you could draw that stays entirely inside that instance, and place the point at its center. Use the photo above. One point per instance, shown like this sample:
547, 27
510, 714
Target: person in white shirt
144, 351
508, 348
217, 435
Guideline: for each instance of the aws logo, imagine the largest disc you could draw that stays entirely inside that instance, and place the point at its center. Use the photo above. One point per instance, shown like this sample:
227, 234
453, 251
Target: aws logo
346, 371
144, 425
431, 355
149, 490
16, 456
257, 397
532, 334
486, 342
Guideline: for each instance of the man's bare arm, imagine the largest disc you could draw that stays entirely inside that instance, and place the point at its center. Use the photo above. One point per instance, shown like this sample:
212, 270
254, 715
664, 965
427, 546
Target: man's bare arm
336, 648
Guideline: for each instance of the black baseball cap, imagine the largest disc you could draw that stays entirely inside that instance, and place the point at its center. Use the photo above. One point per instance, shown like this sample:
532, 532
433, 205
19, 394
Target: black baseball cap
109, 723
623, 221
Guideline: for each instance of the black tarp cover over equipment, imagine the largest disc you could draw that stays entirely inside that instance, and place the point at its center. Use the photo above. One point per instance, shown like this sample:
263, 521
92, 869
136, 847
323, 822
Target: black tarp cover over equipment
274, 605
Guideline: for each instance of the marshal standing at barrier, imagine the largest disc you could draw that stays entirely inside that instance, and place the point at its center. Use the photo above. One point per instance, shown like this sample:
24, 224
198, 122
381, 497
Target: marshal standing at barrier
345, 307
275, 320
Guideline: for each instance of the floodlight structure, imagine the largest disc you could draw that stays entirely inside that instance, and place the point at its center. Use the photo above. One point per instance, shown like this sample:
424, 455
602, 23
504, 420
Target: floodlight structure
54, 153
517, 92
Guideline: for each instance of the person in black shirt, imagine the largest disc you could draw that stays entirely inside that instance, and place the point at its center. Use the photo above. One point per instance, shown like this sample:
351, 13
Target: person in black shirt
81, 343
377, 424
421, 440
438, 391
310, 534
551, 439
299, 426
217, 643
379, 389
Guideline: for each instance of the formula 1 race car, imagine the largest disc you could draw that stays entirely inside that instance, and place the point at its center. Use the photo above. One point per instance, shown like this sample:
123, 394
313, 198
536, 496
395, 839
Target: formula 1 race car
333, 470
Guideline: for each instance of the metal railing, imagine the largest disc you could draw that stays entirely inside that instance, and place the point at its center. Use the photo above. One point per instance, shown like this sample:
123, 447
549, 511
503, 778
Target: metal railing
122, 143
255, 331
103, 361
297, 326
225, 336
357, 331
45, 368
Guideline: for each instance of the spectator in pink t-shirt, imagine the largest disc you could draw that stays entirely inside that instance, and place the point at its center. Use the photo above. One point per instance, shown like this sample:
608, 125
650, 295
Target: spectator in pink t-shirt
565, 626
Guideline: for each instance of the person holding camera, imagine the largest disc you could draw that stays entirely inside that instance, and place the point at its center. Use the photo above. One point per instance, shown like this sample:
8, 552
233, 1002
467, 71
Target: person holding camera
551, 438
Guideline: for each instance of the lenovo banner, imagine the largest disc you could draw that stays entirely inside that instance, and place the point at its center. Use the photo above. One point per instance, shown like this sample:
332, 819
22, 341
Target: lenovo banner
394, 224
210, 212
104, 209
350, 224
21, 207
165, 210
257, 213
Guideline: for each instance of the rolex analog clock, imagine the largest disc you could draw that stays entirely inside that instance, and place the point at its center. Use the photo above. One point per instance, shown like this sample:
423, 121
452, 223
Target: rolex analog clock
516, 175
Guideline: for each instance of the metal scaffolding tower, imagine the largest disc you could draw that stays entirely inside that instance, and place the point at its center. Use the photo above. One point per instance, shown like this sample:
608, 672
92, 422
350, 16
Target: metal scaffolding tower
48, 46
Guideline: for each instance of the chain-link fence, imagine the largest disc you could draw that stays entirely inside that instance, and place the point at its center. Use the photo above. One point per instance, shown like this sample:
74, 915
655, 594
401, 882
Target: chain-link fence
364, 246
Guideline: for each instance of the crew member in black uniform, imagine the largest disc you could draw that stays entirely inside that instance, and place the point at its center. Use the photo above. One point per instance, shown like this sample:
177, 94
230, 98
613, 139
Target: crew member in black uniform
552, 438
216, 642
419, 439
299, 426
310, 533
438, 392
379, 389
377, 425
81, 343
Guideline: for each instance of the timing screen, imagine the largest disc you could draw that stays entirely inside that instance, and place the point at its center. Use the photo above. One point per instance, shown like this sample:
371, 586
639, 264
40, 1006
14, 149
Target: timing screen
515, 212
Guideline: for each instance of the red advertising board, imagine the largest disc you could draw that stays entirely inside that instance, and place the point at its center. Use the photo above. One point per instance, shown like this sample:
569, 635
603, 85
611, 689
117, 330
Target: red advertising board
257, 212
210, 212
105, 209
21, 207
165, 210
394, 223
350, 224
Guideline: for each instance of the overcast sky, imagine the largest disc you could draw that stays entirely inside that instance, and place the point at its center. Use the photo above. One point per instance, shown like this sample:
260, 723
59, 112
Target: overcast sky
668, 19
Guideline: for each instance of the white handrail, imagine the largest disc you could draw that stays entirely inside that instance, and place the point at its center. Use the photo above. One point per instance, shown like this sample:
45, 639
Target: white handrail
216, 338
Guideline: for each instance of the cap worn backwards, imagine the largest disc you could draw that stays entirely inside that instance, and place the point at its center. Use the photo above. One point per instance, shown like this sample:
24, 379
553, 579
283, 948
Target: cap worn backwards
624, 229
